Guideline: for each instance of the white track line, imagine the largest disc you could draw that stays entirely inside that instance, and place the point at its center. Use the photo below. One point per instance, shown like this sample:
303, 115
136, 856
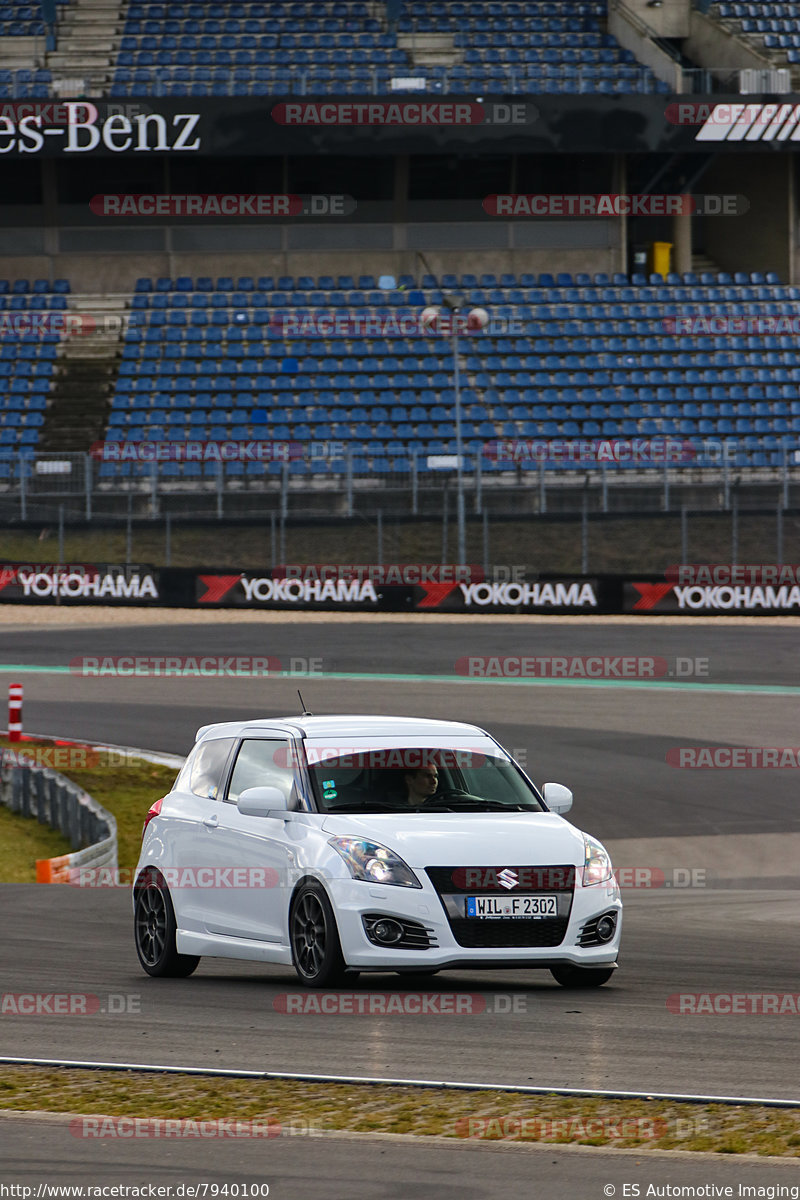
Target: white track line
449, 1084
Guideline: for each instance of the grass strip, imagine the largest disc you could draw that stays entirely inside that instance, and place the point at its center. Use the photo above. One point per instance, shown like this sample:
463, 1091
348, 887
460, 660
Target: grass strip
126, 789
22, 841
295, 1107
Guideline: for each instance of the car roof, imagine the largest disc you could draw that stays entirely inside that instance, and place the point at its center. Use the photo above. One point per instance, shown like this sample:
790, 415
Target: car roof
339, 725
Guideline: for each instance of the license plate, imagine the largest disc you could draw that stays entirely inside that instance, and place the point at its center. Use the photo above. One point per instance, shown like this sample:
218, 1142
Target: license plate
488, 907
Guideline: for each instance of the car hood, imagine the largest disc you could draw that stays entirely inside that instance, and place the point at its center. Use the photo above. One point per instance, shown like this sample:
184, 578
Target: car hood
474, 839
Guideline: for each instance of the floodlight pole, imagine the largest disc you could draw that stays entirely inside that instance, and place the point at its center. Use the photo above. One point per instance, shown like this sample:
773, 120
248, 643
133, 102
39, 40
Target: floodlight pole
462, 553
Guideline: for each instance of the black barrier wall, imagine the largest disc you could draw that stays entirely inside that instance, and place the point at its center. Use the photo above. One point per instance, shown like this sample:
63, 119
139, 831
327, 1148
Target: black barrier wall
419, 124
682, 591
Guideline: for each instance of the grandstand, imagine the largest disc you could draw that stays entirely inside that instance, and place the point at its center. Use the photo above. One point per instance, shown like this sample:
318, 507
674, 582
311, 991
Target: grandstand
771, 25
583, 341
599, 357
347, 47
245, 49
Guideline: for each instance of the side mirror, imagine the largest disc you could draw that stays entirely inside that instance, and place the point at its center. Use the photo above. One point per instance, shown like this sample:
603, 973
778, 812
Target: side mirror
261, 801
557, 797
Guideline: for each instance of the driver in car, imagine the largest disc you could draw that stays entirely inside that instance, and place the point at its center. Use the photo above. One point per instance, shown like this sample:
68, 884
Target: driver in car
420, 785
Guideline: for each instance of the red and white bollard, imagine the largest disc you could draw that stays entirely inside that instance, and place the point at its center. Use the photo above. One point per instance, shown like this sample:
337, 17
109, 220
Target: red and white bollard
15, 712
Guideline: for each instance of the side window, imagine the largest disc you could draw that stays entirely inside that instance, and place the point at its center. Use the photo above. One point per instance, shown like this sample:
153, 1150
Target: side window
208, 767
262, 762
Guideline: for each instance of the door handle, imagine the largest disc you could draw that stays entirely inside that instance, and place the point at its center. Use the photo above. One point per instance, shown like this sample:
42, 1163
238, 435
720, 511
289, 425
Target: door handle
211, 822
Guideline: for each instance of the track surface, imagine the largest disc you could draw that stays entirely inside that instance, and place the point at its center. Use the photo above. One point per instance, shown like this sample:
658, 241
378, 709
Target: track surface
363, 1168
621, 1036
608, 744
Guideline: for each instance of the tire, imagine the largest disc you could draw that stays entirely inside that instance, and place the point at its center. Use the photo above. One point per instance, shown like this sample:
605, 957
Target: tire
581, 977
314, 938
154, 930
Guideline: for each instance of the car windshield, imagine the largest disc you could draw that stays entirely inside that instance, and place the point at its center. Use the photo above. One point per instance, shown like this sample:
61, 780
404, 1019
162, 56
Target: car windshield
418, 779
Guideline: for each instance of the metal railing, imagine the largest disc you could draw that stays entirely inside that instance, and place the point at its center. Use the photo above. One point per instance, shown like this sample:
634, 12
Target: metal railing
54, 800
559, 80
526, 79
230, 490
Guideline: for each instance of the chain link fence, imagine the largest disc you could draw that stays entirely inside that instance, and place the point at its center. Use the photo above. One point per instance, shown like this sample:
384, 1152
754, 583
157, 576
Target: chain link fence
37, 486
55, 509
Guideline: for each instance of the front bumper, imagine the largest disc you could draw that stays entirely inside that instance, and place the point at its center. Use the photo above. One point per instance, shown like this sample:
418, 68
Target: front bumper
354, 899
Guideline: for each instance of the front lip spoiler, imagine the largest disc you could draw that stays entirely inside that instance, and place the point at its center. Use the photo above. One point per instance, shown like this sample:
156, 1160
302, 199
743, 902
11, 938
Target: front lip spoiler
481, 965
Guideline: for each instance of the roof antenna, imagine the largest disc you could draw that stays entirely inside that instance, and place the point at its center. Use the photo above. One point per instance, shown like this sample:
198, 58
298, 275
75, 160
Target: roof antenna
305, 712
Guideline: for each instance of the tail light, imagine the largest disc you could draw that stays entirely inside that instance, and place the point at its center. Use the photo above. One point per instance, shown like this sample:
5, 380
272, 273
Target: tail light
153, 811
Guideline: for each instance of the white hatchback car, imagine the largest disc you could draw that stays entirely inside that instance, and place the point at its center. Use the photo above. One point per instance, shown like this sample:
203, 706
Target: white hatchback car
343, 844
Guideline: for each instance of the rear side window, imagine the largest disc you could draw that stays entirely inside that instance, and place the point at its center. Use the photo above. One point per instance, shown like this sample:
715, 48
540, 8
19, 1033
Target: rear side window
206, 768
262, 762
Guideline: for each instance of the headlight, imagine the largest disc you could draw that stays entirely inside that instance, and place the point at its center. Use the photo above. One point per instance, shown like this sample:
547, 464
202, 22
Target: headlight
597, 866
374, 863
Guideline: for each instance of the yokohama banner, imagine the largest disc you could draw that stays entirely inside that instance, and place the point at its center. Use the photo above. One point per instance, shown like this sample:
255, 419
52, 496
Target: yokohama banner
717, 591
655, 596
79, 583
349, 590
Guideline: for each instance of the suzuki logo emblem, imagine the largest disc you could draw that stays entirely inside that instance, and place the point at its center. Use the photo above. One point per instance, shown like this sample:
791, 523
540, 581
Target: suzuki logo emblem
507, 878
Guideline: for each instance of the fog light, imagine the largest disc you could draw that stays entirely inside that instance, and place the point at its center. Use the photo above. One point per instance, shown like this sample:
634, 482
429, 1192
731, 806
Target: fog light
387, 931
605, 928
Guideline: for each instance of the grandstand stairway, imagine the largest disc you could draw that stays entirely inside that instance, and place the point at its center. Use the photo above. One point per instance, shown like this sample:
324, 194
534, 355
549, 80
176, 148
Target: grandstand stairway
703, 265
89, 34
769, 29
17, 53
430, 49
84, 380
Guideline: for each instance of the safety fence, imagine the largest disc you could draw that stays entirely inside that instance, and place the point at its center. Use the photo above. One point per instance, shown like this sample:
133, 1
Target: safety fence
70, 486
54, 800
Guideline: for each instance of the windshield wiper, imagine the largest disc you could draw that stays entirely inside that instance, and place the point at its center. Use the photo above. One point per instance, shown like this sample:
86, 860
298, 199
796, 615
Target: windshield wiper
367, 807
458, 800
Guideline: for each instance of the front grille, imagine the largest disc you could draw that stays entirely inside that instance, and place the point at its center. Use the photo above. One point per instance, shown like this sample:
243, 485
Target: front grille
453, 884
484, 880
549, 931
415, 936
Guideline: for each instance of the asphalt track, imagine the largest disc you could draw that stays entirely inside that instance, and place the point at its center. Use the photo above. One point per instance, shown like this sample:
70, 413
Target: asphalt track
363, 1168
735, 931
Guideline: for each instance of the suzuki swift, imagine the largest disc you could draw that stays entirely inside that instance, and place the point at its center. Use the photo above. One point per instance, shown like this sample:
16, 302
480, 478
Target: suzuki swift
342, 844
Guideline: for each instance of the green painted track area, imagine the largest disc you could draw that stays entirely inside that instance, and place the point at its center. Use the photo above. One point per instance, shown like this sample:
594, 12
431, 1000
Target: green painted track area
411, 677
